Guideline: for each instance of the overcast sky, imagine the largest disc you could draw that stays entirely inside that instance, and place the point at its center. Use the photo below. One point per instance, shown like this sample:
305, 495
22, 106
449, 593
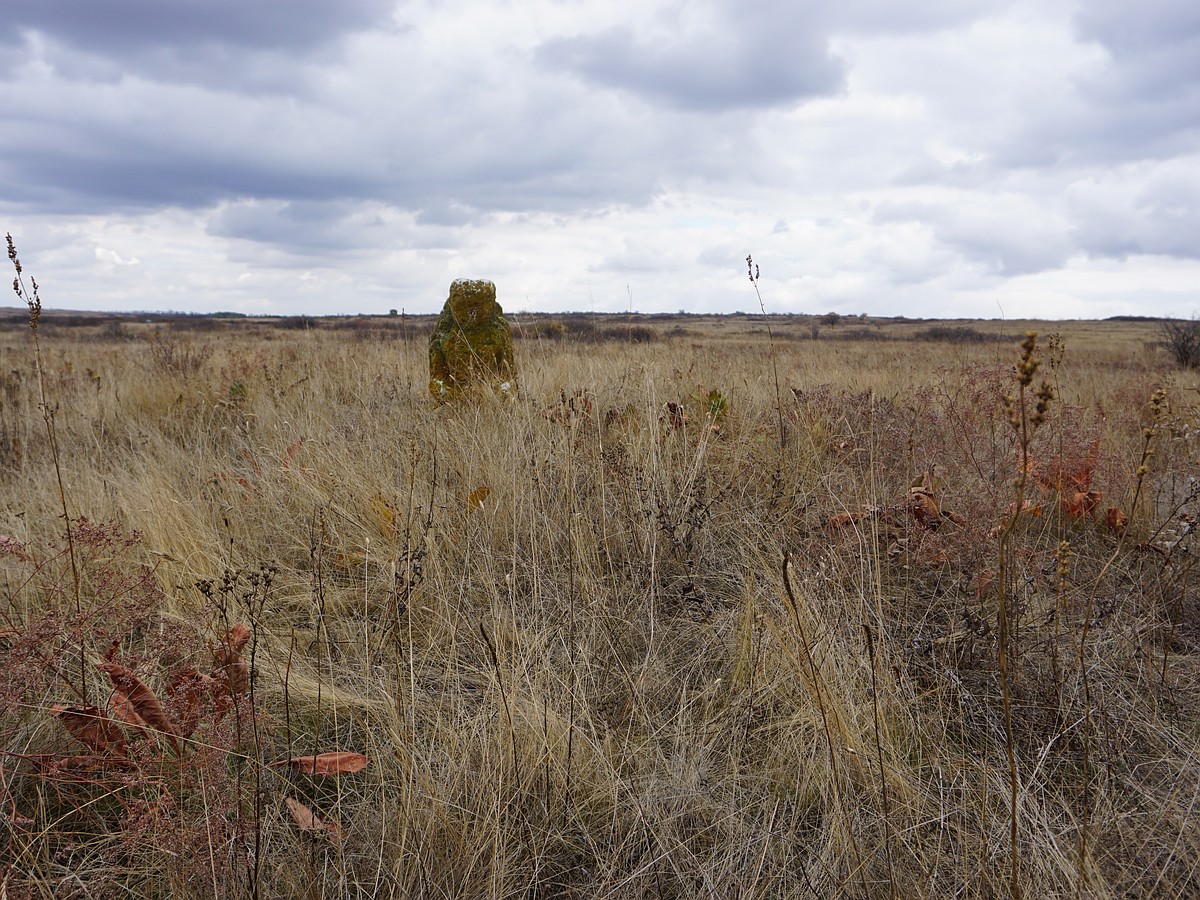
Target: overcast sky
994, 158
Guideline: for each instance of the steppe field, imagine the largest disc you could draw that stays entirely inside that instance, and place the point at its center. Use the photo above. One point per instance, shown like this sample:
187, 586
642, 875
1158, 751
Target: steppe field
744, 606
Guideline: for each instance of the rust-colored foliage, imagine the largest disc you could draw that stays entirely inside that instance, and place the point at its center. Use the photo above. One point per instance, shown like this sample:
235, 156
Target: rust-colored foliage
1028, 508
289, 455
91, 727
982, 581
132, 699
925, 507
232, 671
340, 763
1081, 504
673, 415
841, 520
187, 688
1072, 479
308, 821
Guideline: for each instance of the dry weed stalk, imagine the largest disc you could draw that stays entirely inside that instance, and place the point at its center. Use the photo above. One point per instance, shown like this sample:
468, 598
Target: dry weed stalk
1025, 423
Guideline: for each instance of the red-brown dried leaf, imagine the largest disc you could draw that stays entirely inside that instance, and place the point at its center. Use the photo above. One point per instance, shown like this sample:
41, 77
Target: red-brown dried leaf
140, 699
1069, 476
233, 672
841, 520
1116, 520
91, 727
925, 508
123, 710
237, 637
289, 455
1081, 504
674, 414
1028, 508
307, 820
341, 763
983, 580
187, 689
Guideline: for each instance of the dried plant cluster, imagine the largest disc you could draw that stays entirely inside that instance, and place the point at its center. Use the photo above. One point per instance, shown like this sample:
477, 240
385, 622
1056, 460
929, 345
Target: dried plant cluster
870, 618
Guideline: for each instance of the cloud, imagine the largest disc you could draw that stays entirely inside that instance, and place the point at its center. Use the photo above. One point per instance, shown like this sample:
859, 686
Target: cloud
872, 154
714, 63
1140, 209
1007, 234
119, 28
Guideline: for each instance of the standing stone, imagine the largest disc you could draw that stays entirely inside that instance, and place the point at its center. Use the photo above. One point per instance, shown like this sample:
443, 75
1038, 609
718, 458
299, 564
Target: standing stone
471, 343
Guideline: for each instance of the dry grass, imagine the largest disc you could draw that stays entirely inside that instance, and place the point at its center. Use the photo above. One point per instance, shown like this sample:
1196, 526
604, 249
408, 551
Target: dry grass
561, 630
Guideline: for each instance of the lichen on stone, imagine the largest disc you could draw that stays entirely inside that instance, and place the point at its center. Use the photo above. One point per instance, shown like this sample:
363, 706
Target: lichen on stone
471, 343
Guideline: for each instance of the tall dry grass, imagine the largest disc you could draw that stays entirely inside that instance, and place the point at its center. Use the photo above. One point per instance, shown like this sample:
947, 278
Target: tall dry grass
562, 630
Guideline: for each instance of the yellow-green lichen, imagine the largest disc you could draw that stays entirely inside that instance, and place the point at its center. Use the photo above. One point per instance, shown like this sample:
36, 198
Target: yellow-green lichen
471, 343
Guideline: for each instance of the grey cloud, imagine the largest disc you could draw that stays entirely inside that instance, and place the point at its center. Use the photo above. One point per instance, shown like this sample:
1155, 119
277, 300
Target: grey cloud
303, 228
723, 55
891, 17
1158, 214
452, 214
735, 61
106, 167
122, 27
1144, 101
266, 46
1132, 30
1008, 235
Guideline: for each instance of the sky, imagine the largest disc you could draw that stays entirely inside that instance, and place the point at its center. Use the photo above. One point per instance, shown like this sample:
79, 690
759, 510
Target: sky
928, 158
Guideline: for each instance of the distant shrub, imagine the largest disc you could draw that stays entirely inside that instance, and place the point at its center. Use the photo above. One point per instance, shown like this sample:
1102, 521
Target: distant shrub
195, 323
956, 334
170, 355
857, 334
74, 321
586, 331
544, 331
635, 334
1181, 337
297, 323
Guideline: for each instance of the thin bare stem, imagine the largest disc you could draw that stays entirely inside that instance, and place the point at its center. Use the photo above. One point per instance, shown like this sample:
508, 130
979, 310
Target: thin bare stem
33, 301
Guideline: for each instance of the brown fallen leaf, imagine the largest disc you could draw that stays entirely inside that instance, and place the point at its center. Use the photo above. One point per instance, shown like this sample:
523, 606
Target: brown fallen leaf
91, 727
131, 690
307, 820
237, 637
982, 581
187, 689
1028, 508
233, 672
841, 520
925, 508
1081, 504
124, 711
341, 763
